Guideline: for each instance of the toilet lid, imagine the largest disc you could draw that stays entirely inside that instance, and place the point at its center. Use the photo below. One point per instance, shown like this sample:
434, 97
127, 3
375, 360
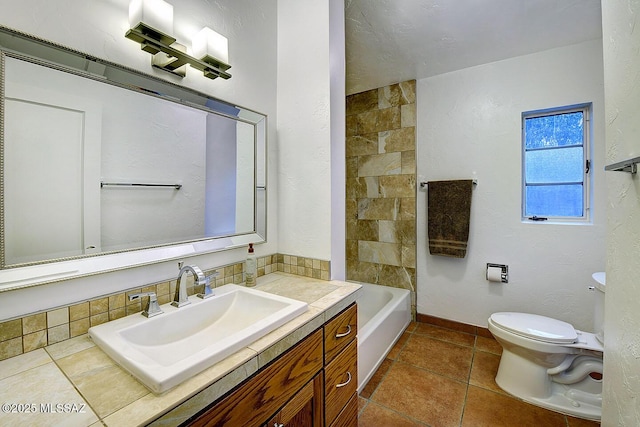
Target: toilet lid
536, 327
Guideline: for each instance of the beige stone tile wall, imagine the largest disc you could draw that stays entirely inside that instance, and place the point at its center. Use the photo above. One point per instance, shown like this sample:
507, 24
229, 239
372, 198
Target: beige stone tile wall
381, 186
38, 330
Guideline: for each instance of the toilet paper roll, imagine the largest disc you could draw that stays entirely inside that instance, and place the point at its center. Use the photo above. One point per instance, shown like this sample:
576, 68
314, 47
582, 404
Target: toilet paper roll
494, 274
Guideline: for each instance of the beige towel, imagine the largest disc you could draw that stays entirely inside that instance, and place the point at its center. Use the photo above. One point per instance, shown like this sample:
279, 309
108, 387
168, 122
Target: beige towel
449, 214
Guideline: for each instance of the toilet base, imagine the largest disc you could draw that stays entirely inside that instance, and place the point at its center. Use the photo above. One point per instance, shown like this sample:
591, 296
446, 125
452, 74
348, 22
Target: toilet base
530, 382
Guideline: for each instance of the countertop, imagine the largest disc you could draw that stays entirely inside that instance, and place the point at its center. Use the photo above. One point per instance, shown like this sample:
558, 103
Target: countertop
74, 383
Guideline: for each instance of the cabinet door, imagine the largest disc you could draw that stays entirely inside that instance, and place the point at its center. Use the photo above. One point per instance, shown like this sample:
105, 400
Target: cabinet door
304, 409
261, 396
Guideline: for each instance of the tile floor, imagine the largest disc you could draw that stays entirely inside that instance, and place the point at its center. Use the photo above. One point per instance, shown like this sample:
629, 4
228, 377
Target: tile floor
440, 377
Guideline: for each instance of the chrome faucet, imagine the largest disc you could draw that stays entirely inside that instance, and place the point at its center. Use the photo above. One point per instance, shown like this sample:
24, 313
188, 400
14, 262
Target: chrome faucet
181, 298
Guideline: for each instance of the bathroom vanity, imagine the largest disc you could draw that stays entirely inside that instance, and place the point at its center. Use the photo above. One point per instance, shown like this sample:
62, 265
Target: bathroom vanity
304, 371
294, 383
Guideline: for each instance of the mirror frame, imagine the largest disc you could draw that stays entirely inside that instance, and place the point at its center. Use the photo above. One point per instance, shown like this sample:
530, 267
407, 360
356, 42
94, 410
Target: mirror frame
33, 49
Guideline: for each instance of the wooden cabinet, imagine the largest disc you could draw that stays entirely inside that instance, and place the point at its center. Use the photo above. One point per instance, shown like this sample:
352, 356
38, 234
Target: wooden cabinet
314, 384
256, 400
339, 332
349, 415
305, 409
340, 381
340, 363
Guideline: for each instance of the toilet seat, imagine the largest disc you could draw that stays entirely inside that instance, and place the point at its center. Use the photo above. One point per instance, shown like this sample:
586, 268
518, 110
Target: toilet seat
536, 327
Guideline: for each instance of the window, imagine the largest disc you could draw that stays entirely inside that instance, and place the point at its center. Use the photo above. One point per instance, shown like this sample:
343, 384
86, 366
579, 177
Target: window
556, 164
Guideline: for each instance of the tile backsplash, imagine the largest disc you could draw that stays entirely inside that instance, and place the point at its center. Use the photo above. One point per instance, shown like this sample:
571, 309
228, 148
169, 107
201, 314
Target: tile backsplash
38, 330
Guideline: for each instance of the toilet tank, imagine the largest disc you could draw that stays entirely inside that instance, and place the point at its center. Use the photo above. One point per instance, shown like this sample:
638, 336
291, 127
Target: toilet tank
600, 279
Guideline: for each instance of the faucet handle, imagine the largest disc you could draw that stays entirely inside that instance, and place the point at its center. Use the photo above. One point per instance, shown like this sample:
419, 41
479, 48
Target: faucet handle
152, 308
207, 285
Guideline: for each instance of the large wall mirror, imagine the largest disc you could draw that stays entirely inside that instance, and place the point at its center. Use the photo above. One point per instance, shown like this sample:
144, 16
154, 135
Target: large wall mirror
104, 167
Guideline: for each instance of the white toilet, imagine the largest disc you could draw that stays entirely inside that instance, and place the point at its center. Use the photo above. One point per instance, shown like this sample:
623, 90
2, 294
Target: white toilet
548, 363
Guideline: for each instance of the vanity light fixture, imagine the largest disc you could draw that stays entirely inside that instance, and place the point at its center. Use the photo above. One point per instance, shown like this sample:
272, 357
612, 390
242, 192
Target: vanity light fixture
151, 23
211, 48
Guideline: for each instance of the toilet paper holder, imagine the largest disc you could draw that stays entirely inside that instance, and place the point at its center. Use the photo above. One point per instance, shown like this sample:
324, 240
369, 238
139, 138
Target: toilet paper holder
503, 270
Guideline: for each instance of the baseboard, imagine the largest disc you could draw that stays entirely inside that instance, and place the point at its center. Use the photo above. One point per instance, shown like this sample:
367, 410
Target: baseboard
454, 325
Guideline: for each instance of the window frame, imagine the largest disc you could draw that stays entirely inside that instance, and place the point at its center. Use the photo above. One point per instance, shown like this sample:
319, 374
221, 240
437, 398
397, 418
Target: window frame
587, 167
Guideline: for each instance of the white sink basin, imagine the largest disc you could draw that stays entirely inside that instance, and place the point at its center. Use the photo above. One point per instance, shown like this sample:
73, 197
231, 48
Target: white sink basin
165, 350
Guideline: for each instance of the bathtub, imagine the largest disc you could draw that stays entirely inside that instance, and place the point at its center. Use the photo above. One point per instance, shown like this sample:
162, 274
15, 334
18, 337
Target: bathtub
383, 314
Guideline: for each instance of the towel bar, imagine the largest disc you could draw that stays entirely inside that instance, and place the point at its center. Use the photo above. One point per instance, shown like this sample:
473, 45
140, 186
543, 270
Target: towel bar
134, 184
425, 183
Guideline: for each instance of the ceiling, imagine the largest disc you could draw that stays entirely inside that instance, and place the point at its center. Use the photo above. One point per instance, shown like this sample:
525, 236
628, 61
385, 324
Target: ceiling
389, 41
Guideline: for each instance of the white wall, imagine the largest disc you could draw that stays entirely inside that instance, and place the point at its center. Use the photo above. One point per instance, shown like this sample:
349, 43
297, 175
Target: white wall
337, 65
469, 127
622, 315
97, 27
305, 127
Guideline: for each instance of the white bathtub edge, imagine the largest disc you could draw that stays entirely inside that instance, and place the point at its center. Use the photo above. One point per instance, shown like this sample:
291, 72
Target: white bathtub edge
387, 326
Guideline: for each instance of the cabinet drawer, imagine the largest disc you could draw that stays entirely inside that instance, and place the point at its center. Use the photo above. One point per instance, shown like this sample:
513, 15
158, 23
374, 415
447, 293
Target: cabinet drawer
262, 395
339, 332
349, 415
340, 381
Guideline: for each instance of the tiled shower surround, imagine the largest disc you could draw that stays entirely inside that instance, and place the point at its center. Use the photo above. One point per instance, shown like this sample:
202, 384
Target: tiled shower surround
381, 186
38, 330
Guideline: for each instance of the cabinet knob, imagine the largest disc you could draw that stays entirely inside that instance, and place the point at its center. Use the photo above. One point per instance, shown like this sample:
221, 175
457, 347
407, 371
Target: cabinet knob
345, 333
278, 425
